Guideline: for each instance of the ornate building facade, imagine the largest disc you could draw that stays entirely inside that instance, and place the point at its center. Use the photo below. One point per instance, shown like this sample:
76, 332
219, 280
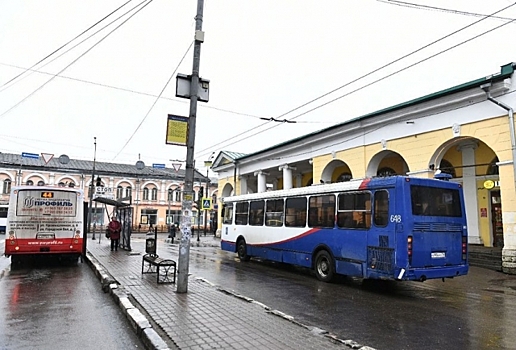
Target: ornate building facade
154, 193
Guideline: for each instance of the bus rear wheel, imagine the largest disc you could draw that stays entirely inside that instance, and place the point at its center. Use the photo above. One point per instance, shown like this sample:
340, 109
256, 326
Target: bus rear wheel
242, 250
324, 266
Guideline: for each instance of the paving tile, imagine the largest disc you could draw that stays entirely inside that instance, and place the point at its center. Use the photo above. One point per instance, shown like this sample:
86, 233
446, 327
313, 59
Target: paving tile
205, 317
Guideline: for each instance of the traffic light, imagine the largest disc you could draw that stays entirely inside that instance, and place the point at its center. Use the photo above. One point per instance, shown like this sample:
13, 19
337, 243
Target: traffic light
201, 192
99, 181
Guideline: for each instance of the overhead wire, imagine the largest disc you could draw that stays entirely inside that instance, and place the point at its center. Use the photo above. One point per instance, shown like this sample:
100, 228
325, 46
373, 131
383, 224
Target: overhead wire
225, 142
131, 91
62, 46
155, 101
143, 4
440, 9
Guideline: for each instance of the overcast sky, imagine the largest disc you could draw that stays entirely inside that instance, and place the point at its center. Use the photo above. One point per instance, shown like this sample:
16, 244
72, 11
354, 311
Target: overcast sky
264, 58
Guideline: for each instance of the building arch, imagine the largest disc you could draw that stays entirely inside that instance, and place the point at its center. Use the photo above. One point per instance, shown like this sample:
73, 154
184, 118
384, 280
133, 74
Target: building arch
35, 178
227, 190
387, 163
333, 170
67, 180
131, 184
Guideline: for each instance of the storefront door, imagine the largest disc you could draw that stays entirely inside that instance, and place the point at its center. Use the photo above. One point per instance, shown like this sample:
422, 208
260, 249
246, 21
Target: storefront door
496, 219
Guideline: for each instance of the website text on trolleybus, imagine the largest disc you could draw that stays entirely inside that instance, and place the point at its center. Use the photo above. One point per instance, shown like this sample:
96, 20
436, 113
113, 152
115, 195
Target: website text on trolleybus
399, 228
44, 220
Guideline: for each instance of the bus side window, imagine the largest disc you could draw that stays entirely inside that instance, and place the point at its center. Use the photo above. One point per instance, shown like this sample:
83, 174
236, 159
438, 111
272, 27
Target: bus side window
381, 208
227, 214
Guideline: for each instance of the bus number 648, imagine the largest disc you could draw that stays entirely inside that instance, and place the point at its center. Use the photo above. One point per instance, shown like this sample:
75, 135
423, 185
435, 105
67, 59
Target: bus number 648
396, 218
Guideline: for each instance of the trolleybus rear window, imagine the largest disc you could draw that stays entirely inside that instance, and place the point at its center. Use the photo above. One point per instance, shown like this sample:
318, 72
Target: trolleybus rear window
432, 201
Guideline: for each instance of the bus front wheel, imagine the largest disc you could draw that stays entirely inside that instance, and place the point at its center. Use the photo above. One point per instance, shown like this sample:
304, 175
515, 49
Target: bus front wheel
324, 266
242, 250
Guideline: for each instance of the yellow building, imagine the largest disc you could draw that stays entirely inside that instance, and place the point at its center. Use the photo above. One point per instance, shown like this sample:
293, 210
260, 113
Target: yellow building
467, 131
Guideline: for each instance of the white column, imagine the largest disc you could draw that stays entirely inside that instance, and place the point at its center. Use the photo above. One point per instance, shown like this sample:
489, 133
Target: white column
162, 190
243, 184
52, 179
262, 180
299, 180
287, 176
470, 191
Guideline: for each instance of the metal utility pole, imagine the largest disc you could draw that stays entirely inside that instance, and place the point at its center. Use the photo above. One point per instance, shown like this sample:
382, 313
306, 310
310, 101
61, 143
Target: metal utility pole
186, 223
92, 188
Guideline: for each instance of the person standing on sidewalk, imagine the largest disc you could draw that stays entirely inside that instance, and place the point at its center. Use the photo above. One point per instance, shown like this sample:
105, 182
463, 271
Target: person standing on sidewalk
114, 228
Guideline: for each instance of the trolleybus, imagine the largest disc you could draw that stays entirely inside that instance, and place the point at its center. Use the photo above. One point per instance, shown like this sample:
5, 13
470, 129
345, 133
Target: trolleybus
44, 220
398, 228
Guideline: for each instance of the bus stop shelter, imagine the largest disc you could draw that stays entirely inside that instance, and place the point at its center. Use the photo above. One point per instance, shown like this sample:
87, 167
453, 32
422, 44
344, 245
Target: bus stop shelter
124, 212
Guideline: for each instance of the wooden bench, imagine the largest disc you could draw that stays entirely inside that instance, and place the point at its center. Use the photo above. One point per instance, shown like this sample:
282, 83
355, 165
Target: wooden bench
152, 263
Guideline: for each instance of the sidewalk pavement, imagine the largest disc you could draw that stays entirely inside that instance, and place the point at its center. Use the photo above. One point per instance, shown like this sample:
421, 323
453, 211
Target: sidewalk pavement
206, 317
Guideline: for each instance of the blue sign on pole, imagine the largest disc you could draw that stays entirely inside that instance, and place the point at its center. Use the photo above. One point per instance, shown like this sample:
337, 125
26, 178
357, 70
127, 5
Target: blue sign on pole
158, 166
30, 155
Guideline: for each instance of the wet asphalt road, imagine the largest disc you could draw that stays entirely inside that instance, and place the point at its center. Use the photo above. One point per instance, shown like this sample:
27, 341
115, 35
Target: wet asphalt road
50, 306
477, 311
54, 307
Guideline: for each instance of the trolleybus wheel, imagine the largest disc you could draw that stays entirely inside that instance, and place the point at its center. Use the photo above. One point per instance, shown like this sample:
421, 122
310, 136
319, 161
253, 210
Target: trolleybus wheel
324, 266
242, 250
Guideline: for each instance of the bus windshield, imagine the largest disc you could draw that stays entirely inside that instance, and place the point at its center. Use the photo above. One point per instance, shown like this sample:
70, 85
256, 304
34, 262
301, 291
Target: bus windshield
433, 201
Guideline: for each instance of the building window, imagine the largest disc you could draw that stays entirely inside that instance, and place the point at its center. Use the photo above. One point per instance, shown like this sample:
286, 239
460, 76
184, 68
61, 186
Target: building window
493, 168
149, 216
344, 177
29, 183
154, 194
128, 191
41, 183
61, 184
177, 195
170, 196
386, 171
145, 194
173, 217
7, 186
119, 192
447, 167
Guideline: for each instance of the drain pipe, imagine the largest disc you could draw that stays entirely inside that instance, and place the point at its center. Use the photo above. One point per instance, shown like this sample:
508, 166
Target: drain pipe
486, 88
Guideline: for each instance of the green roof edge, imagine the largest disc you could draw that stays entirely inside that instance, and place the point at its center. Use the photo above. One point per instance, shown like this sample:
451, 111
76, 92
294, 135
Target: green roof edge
505, 72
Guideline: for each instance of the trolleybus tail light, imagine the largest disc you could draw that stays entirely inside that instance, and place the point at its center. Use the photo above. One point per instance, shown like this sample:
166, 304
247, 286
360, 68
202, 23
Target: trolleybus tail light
409, 248
464, 247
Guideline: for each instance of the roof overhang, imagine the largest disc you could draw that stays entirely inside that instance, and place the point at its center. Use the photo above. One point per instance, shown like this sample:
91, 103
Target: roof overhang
109, 201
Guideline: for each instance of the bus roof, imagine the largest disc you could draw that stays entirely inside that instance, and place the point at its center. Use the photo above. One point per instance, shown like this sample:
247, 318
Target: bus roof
359, 184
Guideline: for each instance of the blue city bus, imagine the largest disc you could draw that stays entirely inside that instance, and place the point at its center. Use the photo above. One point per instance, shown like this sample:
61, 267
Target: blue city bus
394, 228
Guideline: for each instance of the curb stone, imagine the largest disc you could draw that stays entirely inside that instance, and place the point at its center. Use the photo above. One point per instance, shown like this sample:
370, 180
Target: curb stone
149, 337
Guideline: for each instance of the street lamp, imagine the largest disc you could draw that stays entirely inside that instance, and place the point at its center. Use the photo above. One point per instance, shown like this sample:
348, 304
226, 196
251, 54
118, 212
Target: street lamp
140, 165
90, 209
